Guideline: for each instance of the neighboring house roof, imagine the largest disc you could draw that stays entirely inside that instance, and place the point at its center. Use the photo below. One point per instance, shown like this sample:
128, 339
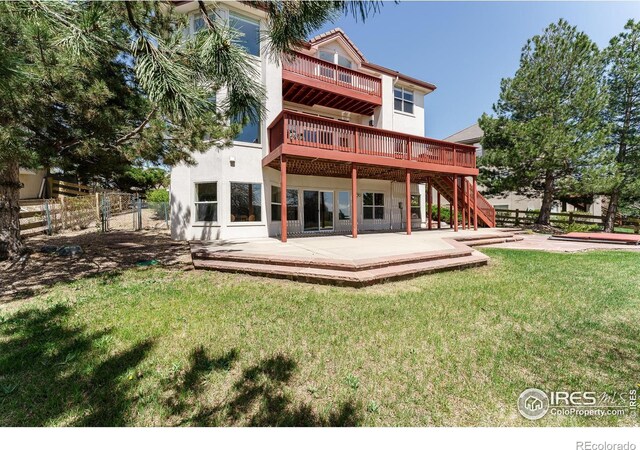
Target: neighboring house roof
470, 135
338, 33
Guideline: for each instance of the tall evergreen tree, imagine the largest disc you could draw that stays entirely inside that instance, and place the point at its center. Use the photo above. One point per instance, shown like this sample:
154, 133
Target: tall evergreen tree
546, 122
96, 85
622, 114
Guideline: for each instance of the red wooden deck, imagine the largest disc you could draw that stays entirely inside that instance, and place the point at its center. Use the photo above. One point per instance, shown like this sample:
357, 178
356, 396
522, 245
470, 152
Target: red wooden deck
312, 81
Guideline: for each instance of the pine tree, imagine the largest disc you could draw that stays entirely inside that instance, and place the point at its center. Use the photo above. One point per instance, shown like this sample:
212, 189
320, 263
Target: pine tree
95, 86
547, 119
622, 114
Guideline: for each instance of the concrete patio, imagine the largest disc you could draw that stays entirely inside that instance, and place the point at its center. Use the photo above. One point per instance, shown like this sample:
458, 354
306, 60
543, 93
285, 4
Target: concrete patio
366, 260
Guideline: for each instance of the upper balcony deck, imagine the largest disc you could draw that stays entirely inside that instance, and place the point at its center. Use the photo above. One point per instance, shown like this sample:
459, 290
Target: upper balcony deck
311, 81
305, 136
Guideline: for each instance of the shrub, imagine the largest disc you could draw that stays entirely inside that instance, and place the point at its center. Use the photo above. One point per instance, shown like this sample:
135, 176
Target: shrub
579, 227
444, 213
158, 196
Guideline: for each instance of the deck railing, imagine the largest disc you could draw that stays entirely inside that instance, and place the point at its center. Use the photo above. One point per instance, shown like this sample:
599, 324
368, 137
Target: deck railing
318, 69
483, 204
310, 131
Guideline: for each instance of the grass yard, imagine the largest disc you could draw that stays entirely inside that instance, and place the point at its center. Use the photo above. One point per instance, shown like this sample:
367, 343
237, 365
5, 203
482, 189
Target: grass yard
153, 346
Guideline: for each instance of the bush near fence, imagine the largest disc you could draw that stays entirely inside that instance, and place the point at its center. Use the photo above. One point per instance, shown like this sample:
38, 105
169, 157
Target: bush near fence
567, 221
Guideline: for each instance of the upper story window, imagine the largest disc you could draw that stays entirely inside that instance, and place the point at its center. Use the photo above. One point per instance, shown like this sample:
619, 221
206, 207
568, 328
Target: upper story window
250, 131
344, 62
250, 33
403, 100
335, 58
326, 56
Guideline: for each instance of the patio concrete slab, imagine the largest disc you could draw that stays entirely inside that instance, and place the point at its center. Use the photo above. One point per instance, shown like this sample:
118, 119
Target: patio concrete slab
542, 242
371, 258
365, 246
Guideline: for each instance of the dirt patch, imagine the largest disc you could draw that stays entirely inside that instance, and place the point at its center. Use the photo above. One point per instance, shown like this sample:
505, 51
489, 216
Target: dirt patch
101, 252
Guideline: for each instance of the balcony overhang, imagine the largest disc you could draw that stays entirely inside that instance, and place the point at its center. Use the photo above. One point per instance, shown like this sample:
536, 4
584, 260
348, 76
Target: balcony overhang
310, 81
316, 162
325, 147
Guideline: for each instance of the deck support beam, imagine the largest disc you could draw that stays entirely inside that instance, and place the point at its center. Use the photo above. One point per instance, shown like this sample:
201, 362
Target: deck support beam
283, 198
475, 203
463, 182
429, 202
354, 201
439, 216
408, 201
455, 202
469, 193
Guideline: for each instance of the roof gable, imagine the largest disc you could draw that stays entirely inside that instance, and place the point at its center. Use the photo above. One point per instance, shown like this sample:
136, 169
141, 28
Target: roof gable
338, 35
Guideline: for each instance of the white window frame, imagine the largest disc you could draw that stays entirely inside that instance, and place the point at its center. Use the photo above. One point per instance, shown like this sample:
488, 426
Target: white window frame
196, 202
278, 218
336, 58
413, 102
248, 19
374, 205
262, 207
349, 205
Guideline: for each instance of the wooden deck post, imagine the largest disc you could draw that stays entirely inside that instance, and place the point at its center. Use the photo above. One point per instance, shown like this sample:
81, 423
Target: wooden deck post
429, 202
439, 217
283, 198
408, 201
468, 190
464, 207
455, 203
450, 215
354, 201
475, 203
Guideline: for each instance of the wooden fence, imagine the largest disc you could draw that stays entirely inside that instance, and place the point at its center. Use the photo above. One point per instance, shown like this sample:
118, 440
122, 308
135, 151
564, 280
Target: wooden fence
53, 215
516, 218
60, 188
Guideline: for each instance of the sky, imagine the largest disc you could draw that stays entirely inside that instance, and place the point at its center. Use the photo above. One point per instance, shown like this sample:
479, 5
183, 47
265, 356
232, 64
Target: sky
466, 48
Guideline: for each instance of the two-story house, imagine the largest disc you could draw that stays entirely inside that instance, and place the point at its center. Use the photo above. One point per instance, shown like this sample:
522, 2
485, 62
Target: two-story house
341, 150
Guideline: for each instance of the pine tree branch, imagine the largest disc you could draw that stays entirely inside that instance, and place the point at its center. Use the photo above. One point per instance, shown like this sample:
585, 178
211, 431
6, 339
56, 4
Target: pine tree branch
205, 16
138, 129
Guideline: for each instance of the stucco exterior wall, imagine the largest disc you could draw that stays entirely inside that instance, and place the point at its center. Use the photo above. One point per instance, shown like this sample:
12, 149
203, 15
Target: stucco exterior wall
243, 163
32, 181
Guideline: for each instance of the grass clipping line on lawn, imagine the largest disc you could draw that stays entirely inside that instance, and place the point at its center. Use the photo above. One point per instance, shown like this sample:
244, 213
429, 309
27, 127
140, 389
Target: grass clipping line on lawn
150, 346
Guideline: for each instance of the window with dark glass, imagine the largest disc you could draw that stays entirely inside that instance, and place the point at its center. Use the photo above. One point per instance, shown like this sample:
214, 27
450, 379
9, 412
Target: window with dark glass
373, 205
206, 204
415, 207
344, 205
246, 204
249, 31
292, 204
250, 131
403, 100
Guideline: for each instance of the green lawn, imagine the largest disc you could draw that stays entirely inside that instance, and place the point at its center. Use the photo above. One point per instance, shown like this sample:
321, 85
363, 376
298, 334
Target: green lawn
151, 346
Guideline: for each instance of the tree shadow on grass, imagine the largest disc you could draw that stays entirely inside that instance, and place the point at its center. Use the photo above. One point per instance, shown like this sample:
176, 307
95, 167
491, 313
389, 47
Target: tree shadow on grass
55, 373
259, 397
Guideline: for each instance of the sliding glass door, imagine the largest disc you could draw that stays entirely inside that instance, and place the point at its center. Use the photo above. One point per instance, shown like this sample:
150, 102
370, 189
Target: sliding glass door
318, 210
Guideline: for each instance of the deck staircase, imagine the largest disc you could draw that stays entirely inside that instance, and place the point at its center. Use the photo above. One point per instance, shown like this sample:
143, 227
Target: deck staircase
486, 212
